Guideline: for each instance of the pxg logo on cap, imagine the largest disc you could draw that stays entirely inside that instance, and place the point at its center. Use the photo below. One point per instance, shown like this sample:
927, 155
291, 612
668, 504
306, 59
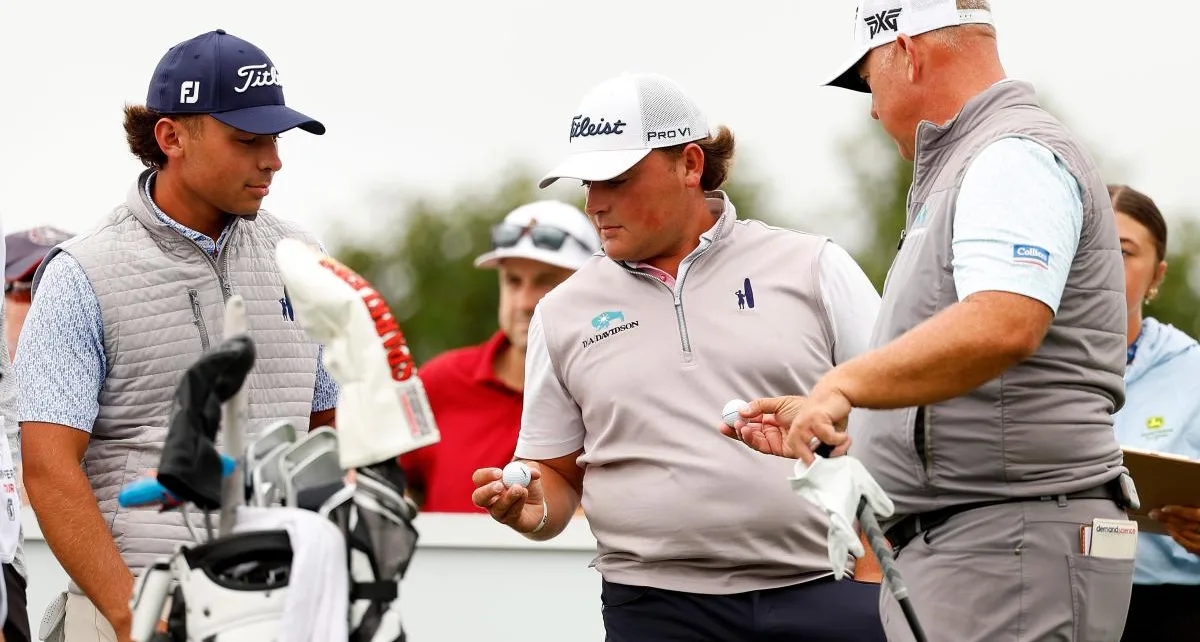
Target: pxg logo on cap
228, 78
879, 22
623, 119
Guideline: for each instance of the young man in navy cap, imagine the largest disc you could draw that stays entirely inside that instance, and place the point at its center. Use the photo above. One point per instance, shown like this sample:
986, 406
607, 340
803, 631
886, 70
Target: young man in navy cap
121, 311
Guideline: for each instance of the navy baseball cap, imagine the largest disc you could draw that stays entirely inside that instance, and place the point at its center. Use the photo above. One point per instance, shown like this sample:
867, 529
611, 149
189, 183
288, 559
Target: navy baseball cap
227, 78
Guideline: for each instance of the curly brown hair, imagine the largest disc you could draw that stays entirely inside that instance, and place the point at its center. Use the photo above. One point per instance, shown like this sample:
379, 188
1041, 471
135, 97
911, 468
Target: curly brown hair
718, 157
139, 133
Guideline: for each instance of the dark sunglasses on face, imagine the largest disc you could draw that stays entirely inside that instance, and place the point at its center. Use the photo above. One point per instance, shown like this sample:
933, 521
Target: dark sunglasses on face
543, 236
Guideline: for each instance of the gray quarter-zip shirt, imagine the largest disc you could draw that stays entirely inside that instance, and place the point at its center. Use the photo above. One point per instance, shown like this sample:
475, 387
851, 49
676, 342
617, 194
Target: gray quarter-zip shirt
640, 372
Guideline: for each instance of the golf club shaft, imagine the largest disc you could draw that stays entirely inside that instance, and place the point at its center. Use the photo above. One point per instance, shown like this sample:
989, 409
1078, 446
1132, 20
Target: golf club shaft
236, 410
879, 545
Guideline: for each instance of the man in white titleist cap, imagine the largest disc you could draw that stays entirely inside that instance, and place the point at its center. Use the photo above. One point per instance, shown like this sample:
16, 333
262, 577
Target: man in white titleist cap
630, 362
986, 402
476, 391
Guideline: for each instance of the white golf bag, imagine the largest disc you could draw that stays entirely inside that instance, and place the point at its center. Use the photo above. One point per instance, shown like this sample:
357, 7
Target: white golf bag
238, 586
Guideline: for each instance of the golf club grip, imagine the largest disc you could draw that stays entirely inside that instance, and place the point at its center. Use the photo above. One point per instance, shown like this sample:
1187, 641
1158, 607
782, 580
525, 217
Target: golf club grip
879, 545
148, 491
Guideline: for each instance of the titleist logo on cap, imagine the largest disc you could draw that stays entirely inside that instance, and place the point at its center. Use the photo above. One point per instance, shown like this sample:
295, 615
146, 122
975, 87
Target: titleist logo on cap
257, 76
583, 126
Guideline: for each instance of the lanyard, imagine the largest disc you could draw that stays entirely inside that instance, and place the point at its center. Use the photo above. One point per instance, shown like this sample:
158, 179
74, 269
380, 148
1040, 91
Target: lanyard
1131, 352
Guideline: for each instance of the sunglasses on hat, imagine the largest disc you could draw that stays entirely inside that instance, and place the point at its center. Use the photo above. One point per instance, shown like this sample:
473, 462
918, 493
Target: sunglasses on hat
543, 236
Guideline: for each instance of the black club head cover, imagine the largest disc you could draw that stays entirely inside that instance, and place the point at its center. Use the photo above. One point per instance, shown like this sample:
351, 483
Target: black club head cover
191, 466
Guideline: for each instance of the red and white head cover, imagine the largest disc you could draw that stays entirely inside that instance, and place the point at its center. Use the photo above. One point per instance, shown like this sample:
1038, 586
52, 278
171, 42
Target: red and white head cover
382, 408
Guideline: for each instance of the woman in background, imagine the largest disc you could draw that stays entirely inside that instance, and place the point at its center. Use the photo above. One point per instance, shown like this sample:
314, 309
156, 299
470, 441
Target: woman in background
1161, 413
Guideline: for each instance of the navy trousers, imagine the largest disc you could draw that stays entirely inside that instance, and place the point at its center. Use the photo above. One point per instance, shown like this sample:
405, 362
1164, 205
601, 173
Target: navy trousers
819, 611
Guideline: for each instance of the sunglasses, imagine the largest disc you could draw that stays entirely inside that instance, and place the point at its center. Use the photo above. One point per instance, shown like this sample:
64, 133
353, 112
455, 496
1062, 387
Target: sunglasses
543, 236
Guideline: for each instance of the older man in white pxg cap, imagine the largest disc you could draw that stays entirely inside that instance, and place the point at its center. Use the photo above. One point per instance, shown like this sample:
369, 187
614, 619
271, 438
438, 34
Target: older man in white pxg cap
476, 391
985, 406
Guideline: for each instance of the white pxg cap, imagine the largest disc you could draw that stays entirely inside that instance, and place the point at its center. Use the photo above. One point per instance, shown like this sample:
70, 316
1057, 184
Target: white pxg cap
551, 232
620, 121
878, 22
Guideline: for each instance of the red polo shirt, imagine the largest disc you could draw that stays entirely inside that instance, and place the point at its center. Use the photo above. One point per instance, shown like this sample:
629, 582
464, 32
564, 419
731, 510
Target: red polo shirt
479, 418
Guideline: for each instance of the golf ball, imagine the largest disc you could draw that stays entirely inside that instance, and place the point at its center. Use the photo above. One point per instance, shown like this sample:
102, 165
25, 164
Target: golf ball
518, 473
730, 412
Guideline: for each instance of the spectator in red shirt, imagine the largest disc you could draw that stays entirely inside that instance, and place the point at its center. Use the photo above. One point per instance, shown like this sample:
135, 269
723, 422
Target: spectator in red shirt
477, 392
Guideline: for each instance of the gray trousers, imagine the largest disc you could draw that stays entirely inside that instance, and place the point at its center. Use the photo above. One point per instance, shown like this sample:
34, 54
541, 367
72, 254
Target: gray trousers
1012, 573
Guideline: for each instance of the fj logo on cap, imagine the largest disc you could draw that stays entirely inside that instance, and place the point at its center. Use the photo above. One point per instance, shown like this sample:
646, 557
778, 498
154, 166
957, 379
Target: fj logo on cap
257, 76
582, 126
883, 21
189, 91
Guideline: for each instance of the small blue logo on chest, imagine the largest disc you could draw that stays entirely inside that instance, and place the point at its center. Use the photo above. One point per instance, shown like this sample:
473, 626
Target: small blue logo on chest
745, 296
285, 304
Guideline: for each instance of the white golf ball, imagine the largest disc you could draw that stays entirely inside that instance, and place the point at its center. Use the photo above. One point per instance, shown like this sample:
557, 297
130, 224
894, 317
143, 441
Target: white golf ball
730, 411
516, 472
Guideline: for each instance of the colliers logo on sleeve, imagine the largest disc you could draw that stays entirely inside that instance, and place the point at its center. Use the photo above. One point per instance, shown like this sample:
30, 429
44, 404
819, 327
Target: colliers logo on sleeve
1031, 255
607, 324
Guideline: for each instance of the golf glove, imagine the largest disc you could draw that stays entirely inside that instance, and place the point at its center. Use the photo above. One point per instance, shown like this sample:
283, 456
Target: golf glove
837, 485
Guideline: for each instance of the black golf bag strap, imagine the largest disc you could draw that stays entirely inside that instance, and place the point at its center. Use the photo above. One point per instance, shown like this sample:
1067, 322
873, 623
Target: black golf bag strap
384, 591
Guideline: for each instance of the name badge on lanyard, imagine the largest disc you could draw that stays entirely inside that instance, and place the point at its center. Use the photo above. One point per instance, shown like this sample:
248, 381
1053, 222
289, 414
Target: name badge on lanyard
10, 501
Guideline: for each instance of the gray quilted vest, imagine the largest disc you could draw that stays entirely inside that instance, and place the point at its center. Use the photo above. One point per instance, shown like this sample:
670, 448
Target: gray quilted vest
1045, 426
163, 302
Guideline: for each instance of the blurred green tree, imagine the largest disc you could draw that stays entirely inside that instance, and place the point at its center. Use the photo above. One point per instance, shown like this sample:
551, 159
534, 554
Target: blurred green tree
1178, 301
880, 181
421, 256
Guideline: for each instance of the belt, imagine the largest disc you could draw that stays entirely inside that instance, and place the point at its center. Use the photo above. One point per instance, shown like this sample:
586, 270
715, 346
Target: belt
909, 527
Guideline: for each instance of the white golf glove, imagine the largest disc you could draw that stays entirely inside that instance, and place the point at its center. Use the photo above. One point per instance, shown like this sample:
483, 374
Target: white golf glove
836, 485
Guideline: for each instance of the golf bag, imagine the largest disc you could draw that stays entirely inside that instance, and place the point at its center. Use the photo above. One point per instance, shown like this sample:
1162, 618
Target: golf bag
376, 519
236, 587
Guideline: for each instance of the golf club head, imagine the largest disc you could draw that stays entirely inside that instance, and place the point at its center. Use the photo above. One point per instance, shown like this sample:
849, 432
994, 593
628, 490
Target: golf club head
318, 469
266, 481
318, 441
274, 434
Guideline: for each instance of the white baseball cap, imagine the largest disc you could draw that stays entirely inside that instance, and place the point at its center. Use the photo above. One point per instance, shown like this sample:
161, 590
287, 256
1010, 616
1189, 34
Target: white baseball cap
878, 22
552, 232
621, 120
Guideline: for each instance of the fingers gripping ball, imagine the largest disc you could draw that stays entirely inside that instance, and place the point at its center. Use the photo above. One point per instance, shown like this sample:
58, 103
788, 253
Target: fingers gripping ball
517, 473
730, 412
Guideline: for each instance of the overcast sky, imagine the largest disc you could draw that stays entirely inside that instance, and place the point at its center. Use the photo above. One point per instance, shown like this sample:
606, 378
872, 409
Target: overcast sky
433, 97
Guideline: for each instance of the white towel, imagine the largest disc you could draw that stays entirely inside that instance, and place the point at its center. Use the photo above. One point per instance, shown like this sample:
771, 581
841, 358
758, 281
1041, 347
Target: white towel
319, 588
